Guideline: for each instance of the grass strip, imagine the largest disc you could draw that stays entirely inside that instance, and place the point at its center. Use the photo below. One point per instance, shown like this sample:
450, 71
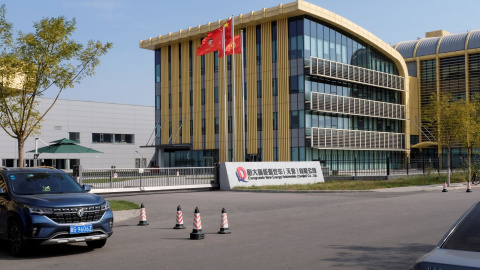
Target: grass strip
417, 180
116, 205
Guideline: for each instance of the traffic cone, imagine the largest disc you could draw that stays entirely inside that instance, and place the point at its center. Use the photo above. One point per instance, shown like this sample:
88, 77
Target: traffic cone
444, 187
143, 216
197, 233
179, 224
469, 187
224, 223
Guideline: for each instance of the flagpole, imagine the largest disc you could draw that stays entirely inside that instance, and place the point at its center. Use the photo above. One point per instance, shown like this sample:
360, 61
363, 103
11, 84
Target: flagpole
233, 94
243, 99
225, 95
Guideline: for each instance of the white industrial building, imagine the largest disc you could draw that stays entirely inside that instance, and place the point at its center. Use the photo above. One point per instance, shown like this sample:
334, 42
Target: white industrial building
123, 133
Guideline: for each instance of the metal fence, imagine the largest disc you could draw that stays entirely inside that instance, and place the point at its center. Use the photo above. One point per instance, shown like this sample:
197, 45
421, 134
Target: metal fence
142, 178
380, 167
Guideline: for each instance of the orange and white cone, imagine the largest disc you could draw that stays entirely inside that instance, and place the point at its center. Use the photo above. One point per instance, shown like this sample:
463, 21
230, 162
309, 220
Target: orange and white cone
143, 216
444, 187
179, 219
197, 233
469, 186
224, 223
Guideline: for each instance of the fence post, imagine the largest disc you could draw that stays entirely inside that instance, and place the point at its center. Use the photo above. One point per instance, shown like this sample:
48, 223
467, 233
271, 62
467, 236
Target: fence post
80, 174
408, 162
140, 171
111, 176
423, 165
355, 165
388, 166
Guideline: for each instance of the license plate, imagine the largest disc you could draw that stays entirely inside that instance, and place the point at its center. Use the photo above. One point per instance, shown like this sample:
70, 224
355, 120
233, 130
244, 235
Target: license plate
81, 229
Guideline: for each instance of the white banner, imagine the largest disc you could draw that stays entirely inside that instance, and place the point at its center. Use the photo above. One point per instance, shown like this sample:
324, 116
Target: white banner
247, 174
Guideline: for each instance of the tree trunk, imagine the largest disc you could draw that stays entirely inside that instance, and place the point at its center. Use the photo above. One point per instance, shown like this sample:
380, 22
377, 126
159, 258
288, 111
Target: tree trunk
448, 166
21, 144
469, 162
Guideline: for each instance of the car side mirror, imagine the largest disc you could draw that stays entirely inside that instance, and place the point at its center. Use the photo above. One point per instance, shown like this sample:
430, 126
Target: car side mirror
87, 188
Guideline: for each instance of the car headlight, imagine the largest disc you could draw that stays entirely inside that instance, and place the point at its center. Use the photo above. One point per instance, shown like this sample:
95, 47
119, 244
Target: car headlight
39, 210
105, 206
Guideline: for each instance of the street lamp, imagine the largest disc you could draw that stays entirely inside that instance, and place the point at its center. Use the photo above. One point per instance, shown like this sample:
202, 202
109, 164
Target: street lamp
141, 161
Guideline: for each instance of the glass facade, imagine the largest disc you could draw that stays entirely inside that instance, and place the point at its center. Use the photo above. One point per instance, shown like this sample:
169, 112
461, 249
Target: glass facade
311, 38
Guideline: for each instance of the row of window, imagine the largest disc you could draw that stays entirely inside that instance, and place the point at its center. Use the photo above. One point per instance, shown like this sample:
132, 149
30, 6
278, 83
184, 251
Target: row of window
113, 138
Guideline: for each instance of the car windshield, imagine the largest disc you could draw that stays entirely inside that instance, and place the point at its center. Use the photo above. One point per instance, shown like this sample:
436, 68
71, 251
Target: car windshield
43, 183
466, 236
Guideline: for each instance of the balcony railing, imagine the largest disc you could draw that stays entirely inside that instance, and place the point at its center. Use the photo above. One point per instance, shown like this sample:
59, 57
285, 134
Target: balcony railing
339, 71
355, 106
327, 138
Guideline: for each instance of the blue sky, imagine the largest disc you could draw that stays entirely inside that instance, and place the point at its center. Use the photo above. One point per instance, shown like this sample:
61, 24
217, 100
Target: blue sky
126, 74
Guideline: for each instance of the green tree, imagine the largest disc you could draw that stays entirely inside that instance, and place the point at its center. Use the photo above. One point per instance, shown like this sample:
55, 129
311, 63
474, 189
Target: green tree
468, 128
443, 122
34, 62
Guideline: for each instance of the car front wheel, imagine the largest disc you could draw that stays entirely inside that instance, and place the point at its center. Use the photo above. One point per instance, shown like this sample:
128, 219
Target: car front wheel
96, 243
16, 242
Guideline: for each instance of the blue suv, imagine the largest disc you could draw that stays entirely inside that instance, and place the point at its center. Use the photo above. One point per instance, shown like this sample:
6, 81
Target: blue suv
47, 206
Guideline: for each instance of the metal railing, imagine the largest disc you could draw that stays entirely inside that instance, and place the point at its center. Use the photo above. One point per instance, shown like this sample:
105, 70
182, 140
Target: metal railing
144, 178
380, 167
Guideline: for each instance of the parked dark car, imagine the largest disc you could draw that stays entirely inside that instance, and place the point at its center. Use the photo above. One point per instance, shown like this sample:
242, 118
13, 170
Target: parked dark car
459, 249
43, 206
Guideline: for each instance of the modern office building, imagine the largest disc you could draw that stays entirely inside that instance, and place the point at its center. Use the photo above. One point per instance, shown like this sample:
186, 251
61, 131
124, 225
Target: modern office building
123, 133
439, 63
315, 86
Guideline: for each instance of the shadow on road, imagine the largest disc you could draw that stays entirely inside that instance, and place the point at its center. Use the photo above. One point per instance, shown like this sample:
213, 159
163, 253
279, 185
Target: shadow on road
364, 257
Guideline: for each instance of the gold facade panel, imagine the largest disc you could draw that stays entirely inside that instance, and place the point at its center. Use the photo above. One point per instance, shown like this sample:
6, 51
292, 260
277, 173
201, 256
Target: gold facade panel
209, 104
165, 112
267, 95
185, 93
222, 102
251, 74
283, 92
197, 98
239, 113
175, 94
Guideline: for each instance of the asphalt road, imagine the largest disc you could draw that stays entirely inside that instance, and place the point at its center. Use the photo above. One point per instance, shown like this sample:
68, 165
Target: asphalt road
360, 230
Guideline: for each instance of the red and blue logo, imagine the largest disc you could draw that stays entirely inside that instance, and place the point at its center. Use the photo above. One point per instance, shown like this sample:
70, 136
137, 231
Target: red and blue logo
241, 175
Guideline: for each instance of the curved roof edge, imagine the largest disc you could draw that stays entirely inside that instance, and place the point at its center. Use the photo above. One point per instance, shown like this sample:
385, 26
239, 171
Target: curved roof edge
296, 8
359, 32
438, 45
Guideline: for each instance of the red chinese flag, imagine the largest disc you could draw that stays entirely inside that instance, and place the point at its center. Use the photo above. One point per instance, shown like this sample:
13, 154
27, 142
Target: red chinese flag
232, 47
213, 41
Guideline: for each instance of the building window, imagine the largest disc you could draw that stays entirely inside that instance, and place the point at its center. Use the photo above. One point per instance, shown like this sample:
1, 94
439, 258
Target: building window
259, 89
259, 122
158, 101
74, 136
113, 138
275, 121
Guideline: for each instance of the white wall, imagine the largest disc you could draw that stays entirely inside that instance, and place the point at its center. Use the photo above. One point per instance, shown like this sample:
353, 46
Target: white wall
89, 117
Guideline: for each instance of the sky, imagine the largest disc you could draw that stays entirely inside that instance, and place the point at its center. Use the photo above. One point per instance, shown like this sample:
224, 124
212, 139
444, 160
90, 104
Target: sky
126, 73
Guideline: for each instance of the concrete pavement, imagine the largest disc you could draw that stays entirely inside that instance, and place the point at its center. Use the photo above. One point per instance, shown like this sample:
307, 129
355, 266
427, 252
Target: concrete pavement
135, 213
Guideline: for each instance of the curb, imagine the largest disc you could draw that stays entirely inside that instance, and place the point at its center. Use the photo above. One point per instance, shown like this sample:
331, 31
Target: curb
122, 215
437, 187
